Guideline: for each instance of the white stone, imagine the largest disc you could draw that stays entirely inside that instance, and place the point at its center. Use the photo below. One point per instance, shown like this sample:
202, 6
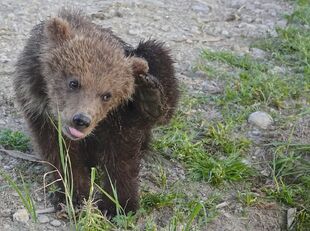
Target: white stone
43, 219
21, 215
260, 119
291, 215
55, 223
258, 53
200, 7
211, 87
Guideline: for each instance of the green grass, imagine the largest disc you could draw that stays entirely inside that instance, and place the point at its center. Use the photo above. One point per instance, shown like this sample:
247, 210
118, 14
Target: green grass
215, 151
14, 140
24, 194
152, 201
291, 175
210, 153
247, 198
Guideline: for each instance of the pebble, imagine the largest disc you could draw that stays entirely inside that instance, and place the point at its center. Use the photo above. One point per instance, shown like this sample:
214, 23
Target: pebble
277, 70
200, 7
165, 28
225, 33
189, 41
21, 215
260, 119
6, 212
258, 53
222, 205
291, 215
15, 194
133, 32
156, 18
43, 219
236, 4
55, 223
211, 87
99, 15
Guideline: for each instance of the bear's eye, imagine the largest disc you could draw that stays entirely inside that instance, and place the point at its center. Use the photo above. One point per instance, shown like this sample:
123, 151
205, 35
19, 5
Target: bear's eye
74, 84
106, 97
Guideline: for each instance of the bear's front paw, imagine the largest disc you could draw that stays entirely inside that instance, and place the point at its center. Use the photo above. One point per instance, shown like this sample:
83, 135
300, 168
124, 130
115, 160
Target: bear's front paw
149, 96
147, 81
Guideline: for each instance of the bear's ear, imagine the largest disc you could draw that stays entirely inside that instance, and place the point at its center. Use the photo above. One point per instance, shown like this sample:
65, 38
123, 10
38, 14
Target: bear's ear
58, 30
139, 66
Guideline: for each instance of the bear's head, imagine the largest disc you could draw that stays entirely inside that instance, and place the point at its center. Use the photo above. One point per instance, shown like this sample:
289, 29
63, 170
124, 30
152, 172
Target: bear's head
87, 75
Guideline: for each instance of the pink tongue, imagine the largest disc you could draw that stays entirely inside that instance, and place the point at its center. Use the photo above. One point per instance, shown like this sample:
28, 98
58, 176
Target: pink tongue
76, 133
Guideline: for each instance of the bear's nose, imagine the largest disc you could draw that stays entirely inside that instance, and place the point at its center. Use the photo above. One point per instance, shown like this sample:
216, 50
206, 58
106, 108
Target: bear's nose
81, 120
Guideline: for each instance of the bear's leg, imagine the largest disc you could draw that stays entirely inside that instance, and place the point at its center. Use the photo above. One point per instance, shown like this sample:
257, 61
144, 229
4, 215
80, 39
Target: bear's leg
150, 98
157, 92
123, 176
81, 177
46, 137
81, 180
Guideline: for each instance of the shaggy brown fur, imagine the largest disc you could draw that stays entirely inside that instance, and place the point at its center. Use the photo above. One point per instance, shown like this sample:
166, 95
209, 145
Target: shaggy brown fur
73, 67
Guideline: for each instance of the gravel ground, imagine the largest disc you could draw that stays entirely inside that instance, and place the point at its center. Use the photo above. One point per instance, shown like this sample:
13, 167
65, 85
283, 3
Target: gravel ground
186, 26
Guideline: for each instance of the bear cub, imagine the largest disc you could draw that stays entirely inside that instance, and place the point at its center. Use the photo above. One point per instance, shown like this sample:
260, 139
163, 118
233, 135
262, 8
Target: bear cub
106, 94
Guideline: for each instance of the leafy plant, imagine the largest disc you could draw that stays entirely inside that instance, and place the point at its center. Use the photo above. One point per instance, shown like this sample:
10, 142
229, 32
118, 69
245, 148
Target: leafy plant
14, 140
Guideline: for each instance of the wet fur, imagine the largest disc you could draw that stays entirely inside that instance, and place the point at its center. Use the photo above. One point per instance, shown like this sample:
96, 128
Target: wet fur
119, 140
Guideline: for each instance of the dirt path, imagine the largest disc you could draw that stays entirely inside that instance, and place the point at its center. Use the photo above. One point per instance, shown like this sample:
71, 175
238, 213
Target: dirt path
186, 26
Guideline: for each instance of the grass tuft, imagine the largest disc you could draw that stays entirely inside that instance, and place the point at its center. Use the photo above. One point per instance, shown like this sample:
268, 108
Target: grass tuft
14, 140
24, 194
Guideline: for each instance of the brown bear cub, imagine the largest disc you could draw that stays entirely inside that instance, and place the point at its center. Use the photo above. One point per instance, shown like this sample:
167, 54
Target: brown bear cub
107, 94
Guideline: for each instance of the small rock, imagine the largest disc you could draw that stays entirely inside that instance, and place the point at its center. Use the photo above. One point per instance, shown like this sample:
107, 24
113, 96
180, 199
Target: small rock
277, 70
118, 14
2, 122
222, 205
4, 59
43, 219
165, 28
15, 194
258, 53
225, 33
265, 172
55, 223
232, 17
200, 74
189, 41
156, 18
200, 7
99, 15
256, 133
260, 119
7, 167
21, 215
211, 87
282, 23
5, 212
291, 214
133, 32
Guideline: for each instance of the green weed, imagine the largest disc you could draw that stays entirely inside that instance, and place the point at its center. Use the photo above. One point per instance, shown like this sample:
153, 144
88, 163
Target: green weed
217, 171
242, 62
14, 140
24, 194
291, 175
220, 140
247, 198
90, 217
151, 201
